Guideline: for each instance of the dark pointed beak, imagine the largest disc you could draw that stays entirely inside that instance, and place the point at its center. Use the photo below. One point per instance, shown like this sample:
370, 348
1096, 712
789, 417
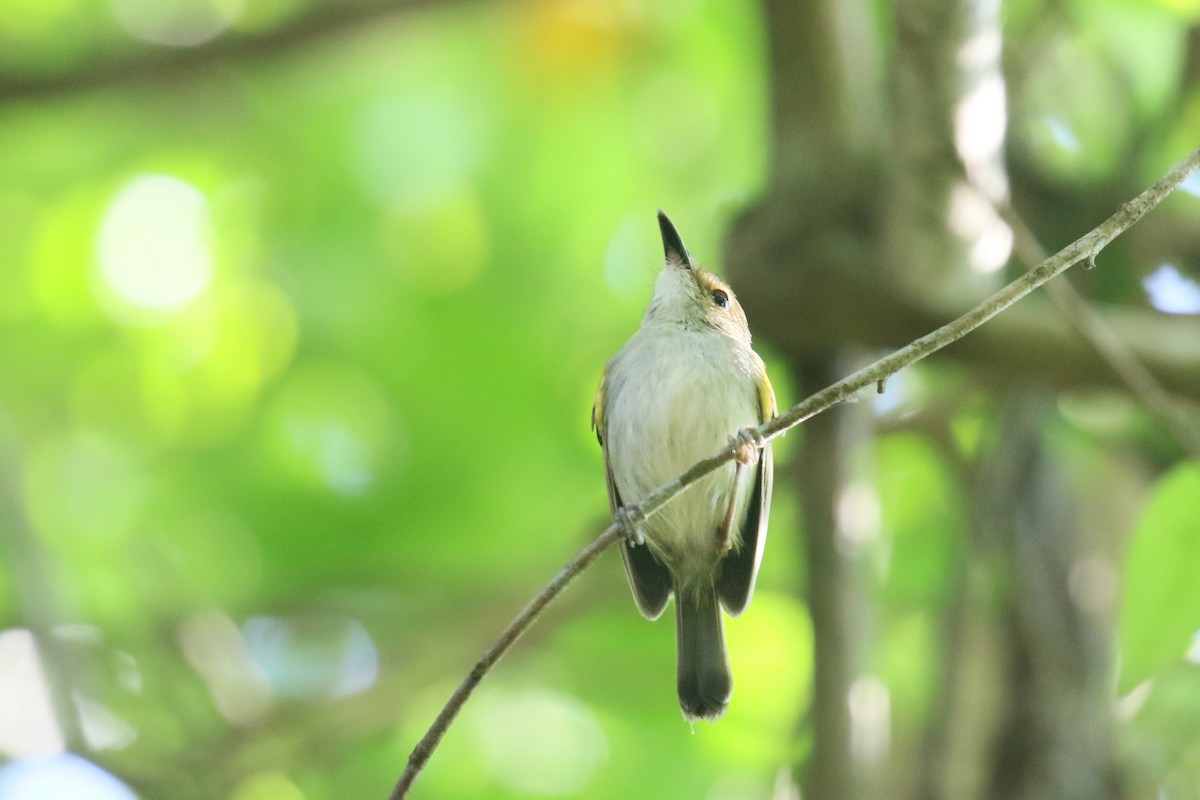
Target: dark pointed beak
672, 242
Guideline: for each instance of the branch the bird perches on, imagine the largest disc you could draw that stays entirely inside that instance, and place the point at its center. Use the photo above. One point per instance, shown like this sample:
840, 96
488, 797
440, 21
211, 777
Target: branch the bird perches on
1085, 249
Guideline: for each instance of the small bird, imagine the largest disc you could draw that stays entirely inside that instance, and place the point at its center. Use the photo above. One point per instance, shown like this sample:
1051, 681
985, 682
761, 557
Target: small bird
674, 394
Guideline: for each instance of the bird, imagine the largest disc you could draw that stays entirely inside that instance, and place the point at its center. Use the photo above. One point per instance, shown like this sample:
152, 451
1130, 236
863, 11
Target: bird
686, 384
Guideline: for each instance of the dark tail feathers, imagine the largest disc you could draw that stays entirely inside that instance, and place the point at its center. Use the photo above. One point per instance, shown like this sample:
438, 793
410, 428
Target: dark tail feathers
705, 681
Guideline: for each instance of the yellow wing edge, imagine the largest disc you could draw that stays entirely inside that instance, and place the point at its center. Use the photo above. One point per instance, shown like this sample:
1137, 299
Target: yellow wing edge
598, 412
767, 408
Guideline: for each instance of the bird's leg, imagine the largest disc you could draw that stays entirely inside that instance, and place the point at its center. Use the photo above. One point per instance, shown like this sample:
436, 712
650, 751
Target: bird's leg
725, 529
747, 445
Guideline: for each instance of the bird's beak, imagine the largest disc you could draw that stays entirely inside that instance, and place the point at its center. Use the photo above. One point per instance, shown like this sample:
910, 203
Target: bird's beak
673, 247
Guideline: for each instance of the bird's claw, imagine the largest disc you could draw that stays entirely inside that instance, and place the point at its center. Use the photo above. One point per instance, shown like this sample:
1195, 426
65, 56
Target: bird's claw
747, 444
626, 520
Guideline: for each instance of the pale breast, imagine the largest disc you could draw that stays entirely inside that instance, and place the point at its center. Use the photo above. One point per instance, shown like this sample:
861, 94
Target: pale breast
673, 399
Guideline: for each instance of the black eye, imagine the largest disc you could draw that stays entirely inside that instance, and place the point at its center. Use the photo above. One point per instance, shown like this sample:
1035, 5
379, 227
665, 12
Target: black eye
720, 298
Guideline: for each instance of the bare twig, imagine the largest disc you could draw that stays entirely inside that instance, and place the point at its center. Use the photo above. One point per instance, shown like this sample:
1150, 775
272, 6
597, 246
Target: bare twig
1082, 249
1091, 326
433, 736
150, 65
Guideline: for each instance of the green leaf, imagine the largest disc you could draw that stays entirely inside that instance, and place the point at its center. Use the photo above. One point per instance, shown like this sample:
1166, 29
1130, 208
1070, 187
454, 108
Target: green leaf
1160, 610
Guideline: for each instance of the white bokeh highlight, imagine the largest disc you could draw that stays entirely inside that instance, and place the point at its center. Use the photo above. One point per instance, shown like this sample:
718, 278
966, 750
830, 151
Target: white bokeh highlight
28, 728
178, 23
155, 245
1171, 291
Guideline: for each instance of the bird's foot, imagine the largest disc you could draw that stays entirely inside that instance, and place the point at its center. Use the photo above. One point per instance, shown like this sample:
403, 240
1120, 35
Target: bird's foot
748, 445
627, 519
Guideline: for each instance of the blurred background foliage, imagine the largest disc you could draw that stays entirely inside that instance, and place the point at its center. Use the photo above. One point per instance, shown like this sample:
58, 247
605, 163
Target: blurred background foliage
302, 306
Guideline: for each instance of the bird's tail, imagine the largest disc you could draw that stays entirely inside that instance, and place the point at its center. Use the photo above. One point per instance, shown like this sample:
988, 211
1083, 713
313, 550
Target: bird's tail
705, 681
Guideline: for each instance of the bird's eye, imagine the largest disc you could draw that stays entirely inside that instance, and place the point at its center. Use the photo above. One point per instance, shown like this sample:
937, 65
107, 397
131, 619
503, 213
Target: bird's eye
720, 298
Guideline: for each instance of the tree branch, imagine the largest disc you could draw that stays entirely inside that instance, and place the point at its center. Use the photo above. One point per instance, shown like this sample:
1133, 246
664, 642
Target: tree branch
148, 65
1091, 326
809, 281
1083, 249
429, 742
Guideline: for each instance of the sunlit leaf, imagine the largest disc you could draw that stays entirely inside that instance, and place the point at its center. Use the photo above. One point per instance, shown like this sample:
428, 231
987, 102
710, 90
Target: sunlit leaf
1160, 604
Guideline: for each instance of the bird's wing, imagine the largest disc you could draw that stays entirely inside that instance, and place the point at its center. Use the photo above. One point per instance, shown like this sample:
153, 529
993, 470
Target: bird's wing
648, 577
739, 569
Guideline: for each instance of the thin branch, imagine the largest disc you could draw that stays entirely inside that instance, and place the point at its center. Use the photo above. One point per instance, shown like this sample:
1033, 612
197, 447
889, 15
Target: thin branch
807, 294
1082, 249
428, 743
148, 65
1091, 326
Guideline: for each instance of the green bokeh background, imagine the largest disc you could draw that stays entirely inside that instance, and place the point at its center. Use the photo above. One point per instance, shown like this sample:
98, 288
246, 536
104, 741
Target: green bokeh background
264, 524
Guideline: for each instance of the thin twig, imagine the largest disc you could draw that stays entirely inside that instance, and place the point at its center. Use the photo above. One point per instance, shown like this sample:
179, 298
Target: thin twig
148, 65
1092, 327
1082, 249
518, 626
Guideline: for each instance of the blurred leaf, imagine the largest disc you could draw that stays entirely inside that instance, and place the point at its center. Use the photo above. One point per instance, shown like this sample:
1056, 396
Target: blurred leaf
1160, 607
1160, 739
1076, 122
1144, 44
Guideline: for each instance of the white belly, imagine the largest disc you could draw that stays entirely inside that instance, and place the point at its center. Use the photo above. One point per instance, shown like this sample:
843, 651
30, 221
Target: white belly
669, 406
